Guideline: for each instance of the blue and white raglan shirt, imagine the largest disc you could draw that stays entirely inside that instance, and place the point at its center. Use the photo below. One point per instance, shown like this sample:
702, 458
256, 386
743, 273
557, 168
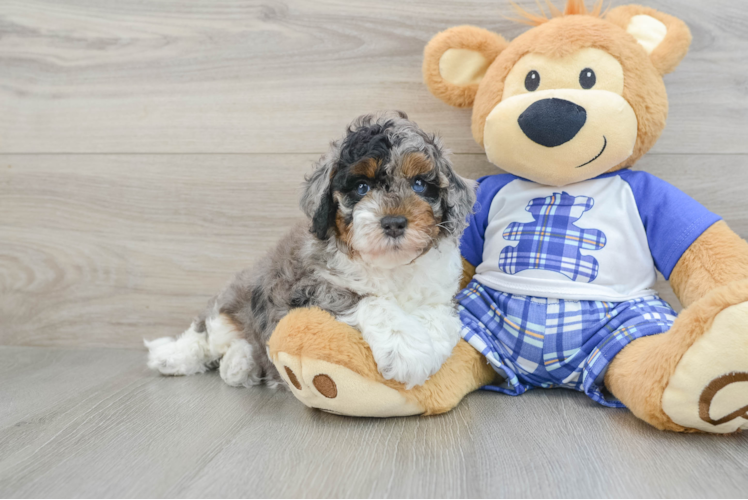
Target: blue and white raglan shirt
599, 239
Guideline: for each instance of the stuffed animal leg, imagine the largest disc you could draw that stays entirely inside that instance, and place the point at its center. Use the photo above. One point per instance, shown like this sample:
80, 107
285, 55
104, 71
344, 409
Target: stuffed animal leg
328, 365
695, 377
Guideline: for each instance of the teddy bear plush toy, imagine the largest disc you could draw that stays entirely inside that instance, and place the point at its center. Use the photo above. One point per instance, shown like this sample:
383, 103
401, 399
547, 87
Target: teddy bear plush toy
560, 254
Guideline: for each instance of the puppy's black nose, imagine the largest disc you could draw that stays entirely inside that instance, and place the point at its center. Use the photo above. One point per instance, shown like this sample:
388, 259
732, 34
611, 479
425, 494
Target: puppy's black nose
552, 122
394, 225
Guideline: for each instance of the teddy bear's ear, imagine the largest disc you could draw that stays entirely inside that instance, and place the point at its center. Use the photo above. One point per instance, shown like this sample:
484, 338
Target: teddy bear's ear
455, 61
665, 38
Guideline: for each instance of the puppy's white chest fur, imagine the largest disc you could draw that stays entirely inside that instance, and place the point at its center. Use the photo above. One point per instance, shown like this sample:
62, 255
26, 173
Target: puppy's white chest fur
407, 315
433, 278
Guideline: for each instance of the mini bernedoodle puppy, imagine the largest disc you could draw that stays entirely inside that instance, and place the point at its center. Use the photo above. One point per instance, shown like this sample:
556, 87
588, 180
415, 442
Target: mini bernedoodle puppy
379, 251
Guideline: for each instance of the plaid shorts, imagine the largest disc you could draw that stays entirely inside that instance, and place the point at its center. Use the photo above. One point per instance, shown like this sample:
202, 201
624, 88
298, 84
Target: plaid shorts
536, 342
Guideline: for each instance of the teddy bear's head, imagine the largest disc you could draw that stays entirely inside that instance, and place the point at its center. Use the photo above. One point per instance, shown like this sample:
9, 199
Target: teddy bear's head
577, 95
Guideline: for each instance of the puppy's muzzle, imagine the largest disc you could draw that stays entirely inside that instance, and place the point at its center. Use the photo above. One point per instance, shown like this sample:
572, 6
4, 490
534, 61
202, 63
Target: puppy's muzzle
394, 225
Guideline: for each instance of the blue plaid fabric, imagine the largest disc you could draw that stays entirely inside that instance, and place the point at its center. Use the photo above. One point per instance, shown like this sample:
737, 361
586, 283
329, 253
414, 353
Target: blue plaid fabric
537, 342
552, 242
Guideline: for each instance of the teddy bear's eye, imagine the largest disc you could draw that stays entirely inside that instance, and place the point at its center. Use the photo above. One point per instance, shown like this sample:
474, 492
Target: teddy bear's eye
587, 78
532, 81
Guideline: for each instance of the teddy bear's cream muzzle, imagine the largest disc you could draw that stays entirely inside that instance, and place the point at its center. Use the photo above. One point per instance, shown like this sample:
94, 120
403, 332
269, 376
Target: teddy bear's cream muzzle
560, 136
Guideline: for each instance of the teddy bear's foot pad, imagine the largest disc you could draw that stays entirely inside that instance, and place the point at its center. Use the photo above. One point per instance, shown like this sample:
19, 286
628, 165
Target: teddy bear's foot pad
336, 389
709, 388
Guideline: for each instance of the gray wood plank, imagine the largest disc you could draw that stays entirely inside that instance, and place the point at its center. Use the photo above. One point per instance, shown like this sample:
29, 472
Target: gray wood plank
131, 433
103, 250
284, 76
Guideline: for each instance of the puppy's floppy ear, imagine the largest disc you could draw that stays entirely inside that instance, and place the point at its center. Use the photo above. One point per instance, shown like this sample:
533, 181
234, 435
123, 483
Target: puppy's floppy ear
665, 38
455, 61
460, 199
317, 200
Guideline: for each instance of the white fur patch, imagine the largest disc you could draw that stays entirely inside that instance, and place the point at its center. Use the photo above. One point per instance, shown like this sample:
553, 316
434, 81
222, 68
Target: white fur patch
408, 347
191, 352
408, 318
185, 355
222, 332
432, 278
275, 384
238, 367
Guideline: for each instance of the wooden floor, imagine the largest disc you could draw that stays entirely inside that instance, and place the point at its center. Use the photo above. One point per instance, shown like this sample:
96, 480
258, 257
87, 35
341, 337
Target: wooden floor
149, 149
95, 423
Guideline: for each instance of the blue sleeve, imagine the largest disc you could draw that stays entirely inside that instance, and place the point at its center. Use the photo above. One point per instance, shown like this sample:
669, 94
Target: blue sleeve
471, 245
672, 219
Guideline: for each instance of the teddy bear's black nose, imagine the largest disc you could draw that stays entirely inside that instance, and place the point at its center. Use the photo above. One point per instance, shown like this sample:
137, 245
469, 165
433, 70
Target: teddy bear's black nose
552, 122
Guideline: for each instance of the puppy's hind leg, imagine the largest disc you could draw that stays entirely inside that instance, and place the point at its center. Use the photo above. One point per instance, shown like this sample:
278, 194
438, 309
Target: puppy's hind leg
185, 355
238, 366
196, 350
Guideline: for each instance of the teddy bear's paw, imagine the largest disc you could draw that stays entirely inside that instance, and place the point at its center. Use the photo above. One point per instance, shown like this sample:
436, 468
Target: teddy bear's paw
709, 389
337, 389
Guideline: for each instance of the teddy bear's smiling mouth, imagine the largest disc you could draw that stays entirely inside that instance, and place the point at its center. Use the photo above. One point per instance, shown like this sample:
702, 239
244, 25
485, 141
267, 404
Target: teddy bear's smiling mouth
605, 145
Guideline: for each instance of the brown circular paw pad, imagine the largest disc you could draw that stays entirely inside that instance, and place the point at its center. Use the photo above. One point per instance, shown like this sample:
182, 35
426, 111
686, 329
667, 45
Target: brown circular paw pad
711, 390
325, 385
292, 378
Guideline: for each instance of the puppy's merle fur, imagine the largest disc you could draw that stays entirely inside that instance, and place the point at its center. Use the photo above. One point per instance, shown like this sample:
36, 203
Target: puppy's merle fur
346, 259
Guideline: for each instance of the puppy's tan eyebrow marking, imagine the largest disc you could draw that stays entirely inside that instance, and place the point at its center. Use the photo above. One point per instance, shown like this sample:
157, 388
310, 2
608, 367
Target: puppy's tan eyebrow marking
416, 164
367, 167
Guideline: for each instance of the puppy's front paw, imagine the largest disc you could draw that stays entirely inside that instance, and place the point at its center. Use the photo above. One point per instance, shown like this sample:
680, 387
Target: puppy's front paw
407, 347
418, 346
409, 365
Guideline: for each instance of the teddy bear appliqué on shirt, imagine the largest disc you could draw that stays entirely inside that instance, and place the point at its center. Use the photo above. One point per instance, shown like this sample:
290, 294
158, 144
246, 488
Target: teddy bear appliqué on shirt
552, 241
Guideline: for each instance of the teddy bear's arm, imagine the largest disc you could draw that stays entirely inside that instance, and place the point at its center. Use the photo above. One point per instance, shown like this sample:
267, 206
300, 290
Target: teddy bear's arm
716, 258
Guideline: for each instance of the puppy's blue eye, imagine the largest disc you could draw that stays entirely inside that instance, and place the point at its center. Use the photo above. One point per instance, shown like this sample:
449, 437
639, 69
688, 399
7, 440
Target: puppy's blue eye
362, 189
419, 186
